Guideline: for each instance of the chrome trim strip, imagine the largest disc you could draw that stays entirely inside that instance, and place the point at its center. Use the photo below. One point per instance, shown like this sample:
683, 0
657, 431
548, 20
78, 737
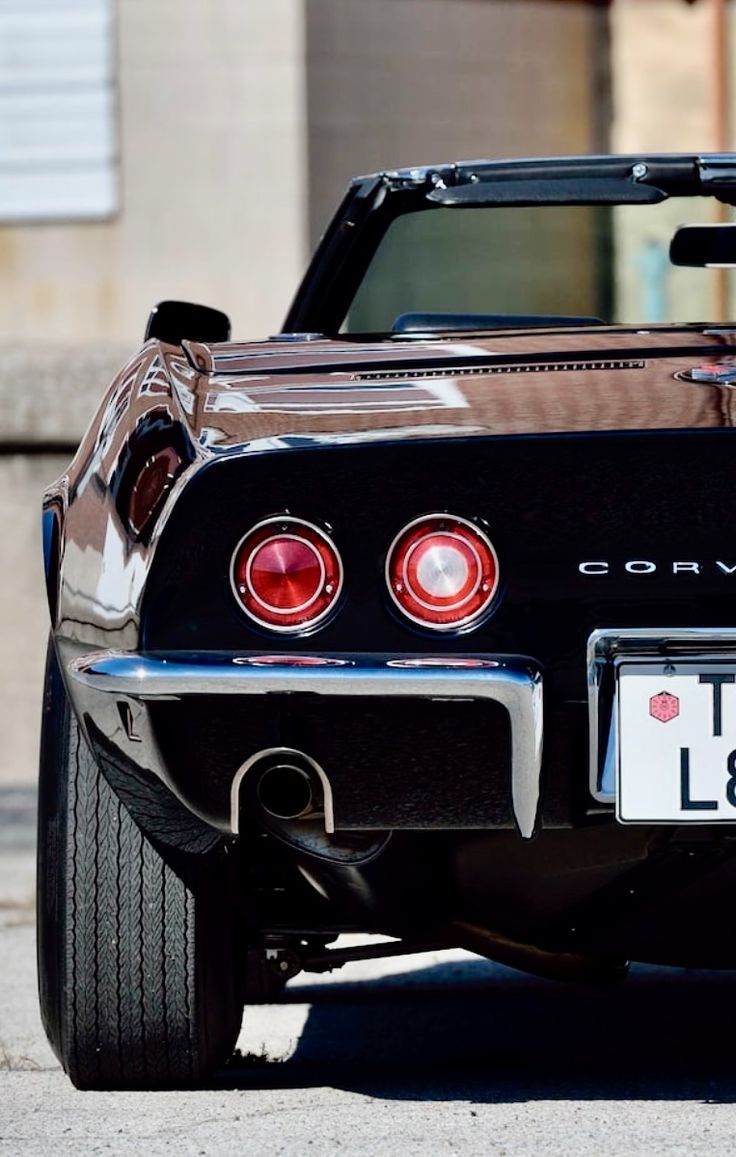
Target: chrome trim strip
265, 754
514, 682
611, 645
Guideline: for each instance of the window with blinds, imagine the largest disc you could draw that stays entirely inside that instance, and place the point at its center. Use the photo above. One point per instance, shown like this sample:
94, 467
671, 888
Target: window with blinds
58, 138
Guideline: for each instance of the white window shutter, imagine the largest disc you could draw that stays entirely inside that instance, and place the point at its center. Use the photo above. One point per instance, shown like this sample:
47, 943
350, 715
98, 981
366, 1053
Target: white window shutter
58, 146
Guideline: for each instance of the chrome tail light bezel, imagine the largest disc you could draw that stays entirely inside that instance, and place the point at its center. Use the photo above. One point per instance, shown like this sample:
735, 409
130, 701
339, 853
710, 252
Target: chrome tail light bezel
481, 598
274, 619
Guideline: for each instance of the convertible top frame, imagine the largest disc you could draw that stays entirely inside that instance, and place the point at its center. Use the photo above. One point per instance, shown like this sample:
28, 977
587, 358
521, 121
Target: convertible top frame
374, 201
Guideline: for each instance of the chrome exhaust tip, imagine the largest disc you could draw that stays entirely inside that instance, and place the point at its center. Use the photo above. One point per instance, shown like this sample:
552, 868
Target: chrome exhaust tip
283, 784
285, 791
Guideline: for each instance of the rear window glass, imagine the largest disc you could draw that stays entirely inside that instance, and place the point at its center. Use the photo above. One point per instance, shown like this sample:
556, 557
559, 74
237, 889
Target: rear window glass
593, 261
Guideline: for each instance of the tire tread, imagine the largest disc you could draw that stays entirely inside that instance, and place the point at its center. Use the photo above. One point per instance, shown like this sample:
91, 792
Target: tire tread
146, 993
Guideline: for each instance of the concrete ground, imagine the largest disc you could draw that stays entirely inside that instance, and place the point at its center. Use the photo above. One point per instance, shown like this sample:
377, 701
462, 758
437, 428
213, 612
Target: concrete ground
442, 1054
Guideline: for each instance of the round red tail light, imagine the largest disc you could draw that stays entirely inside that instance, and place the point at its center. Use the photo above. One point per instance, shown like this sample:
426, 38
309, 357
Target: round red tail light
442, 572
286, 574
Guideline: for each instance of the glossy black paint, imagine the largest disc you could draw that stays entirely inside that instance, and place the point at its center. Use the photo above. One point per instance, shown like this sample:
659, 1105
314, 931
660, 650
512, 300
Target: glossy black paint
155, 434
703, 245
656, 497
173, 321
659, 497
406, 763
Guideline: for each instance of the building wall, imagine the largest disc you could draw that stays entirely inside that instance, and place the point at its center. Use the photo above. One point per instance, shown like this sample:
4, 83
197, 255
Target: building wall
661, 53
237, 119
664, 100
402, 82
212, 147
24, 626
239, 123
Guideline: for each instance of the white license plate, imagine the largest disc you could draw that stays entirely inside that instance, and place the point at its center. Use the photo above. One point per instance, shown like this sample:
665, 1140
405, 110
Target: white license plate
676, 742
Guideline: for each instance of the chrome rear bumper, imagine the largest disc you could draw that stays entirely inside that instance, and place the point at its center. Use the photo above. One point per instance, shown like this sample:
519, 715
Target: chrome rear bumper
113, 687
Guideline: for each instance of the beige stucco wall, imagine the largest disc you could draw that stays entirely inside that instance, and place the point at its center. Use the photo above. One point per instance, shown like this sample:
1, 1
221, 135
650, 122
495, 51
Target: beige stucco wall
238, 120
23, 617
212, 145
403, 82
662, 69
664, 100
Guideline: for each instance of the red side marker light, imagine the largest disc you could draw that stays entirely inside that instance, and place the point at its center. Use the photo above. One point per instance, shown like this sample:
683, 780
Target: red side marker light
151, 485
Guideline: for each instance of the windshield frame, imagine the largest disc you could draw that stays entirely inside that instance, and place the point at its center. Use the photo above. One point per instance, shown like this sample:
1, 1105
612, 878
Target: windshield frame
372, 203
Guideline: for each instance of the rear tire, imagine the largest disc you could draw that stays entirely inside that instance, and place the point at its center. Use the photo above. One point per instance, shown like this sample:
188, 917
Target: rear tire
135, 948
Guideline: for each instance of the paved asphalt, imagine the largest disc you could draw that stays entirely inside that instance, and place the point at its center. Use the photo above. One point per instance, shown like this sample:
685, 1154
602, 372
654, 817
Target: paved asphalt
428, 1055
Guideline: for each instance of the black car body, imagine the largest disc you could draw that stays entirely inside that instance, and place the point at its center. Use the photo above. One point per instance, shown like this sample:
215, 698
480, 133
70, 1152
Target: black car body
350, 627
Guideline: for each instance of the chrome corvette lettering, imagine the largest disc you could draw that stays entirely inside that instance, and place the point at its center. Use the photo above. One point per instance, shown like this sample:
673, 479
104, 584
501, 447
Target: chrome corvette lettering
644, 566
640, 566
693, 567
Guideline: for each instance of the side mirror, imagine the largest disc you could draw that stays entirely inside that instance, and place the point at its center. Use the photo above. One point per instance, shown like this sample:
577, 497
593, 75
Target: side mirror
704, 246
173, 321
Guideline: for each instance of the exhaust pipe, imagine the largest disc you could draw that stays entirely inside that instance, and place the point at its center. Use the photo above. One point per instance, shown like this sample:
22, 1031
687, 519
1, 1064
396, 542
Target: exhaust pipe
567, 966
293, 796
285, 792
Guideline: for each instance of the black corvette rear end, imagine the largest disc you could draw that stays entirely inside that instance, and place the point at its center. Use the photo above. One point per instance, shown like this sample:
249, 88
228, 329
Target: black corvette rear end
636, 537
554, 591
430, 634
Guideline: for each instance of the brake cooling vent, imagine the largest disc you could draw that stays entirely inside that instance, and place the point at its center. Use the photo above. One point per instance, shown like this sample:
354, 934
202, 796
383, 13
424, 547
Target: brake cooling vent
488, 370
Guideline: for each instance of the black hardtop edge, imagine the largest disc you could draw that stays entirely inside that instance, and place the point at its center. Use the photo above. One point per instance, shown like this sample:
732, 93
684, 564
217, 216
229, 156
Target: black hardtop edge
661, 165
372, 202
